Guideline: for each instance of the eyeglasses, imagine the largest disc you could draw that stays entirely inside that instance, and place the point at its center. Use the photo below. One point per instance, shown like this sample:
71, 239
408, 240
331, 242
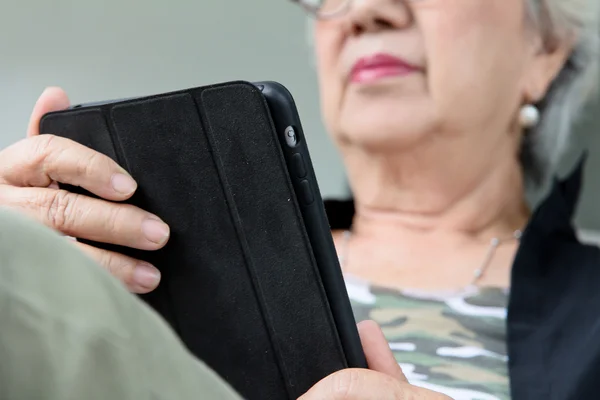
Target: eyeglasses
324, 9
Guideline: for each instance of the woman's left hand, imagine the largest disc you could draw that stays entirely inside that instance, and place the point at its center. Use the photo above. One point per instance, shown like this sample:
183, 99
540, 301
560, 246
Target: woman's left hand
382, 381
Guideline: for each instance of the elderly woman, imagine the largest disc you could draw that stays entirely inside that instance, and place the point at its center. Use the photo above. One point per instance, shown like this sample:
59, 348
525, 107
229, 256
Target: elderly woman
444, 112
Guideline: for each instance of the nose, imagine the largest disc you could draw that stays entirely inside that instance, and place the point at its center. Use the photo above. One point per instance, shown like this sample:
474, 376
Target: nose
370, 16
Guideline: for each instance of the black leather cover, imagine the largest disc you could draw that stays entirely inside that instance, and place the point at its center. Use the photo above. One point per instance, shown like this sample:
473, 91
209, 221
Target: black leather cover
240, 285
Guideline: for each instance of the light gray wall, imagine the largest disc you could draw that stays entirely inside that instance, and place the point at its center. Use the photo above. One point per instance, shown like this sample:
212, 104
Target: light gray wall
587, 138
105, 49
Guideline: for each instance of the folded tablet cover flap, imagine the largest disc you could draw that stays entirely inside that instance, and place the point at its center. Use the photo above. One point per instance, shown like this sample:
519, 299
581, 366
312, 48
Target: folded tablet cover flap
239, 282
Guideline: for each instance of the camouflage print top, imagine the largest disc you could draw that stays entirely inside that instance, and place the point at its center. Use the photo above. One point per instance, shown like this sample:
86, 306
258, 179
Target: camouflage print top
452, 344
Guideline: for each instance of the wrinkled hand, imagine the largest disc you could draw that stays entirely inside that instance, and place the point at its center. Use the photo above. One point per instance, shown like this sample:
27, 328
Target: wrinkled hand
383, 380
29, 172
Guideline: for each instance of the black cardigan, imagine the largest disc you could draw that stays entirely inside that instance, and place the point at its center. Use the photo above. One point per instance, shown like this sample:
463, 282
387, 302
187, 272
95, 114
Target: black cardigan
553, 330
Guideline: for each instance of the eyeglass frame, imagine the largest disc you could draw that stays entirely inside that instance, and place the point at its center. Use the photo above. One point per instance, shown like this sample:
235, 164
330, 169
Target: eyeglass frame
314, 11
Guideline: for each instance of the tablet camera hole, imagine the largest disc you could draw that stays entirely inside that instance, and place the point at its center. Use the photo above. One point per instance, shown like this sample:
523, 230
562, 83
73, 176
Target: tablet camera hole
290, 137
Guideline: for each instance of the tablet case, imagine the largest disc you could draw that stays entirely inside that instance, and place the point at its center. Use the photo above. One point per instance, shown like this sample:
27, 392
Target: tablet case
239, 282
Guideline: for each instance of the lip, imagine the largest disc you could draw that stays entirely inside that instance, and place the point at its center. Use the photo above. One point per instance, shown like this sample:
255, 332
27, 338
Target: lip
380, 66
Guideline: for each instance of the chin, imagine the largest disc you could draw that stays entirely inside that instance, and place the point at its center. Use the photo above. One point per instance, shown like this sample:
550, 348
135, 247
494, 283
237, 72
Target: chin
386, 128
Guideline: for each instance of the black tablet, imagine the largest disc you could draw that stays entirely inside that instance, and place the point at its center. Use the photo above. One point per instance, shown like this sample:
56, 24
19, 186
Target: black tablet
250, 278
295, 149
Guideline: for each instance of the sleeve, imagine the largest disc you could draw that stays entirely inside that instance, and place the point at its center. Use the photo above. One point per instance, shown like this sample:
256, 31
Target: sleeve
69, 330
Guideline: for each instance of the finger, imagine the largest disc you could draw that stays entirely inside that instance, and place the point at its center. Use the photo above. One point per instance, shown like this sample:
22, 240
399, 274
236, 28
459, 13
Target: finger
88, 218
138, 276
39, 160
377, 351
52, 99
358, 384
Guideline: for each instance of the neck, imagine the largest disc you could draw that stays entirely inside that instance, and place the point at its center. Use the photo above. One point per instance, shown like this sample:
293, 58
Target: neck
480, 196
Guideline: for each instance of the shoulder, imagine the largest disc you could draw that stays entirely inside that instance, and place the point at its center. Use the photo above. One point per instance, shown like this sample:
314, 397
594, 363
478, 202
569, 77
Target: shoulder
340, 213
554, 306
555, 259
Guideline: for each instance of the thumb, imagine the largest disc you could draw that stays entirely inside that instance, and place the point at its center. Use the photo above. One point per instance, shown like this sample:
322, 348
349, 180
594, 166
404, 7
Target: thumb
52, 99
377, 351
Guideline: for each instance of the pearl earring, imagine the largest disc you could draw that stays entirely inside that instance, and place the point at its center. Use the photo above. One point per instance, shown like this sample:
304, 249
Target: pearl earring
529, 116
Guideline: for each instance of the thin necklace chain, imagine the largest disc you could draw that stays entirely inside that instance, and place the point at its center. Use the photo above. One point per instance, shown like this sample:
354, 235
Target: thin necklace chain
477, 273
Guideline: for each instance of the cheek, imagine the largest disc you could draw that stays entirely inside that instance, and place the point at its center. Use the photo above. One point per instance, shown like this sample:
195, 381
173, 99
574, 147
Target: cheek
475, 55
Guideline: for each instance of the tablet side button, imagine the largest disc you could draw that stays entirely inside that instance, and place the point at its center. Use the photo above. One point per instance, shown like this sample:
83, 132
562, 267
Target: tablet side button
298, 165
306, 195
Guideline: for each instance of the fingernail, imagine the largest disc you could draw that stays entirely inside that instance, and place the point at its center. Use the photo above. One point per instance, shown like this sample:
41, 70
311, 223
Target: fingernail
123, 184
155, 230
146, 276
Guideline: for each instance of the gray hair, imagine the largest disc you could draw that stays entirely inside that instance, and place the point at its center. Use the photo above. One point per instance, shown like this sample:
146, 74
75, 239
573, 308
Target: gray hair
572, 89
575, 86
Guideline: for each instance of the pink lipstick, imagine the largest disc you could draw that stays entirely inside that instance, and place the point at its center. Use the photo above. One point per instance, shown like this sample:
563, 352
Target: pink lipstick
379, 66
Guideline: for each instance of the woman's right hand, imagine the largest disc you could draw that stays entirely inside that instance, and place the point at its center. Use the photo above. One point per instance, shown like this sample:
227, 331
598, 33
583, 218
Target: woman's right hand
29, 172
